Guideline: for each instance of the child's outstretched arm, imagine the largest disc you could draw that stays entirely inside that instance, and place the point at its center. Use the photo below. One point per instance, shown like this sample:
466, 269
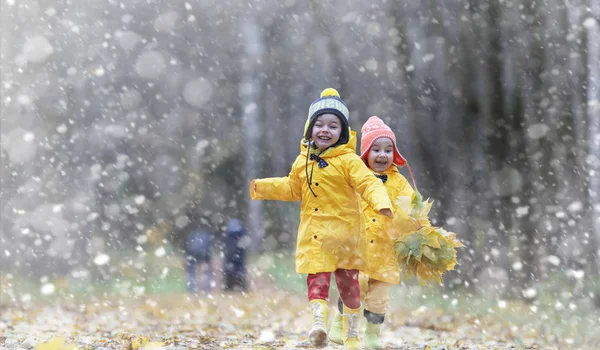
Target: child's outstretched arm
370, 188
287, 188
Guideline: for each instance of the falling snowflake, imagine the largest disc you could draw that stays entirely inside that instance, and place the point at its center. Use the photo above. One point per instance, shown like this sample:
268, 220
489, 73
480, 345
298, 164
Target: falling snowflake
61, 129
139, 200
266, 336
101, 259
575, 207
141, 239
160, 252
517, 266
29, 137
530, 293
522, 211
553, 260
48, 289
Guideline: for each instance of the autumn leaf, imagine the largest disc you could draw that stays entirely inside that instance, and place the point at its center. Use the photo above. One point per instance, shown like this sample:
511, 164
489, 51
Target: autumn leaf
56, 343
422, 251
138, 342
420, 208
409, 214
427, 253
401, 224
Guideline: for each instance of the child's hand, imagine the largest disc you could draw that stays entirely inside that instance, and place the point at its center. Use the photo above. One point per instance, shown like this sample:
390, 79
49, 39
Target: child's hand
386, 211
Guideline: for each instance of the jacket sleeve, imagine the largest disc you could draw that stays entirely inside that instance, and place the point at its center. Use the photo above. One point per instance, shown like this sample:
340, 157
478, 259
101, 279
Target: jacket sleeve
370, 188
287, 188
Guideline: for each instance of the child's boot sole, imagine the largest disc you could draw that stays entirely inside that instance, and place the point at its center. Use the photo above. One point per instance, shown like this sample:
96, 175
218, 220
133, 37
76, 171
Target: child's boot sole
318, 338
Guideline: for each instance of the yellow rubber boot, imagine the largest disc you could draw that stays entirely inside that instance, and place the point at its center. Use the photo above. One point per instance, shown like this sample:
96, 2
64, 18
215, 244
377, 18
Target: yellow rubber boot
318, 332
336, 332
350, 328
372, 340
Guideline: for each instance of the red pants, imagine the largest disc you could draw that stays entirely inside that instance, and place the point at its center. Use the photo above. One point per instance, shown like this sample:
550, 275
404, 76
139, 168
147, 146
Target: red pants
347, 283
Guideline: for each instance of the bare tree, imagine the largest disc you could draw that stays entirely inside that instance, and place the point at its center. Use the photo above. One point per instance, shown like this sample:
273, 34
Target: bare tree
592, 23
250, 100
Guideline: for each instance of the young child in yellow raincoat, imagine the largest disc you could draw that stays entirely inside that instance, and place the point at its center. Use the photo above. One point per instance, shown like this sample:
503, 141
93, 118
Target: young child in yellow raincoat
330, 180
378, 150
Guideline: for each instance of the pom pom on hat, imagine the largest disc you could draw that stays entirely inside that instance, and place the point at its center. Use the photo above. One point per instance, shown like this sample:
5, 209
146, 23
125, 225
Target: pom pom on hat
375, 129
330, 92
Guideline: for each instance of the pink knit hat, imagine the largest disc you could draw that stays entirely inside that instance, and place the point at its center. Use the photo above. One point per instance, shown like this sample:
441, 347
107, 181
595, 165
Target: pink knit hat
375, 129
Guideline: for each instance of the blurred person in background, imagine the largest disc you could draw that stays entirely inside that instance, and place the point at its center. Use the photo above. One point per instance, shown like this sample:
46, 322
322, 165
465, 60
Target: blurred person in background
199, 241
234, 250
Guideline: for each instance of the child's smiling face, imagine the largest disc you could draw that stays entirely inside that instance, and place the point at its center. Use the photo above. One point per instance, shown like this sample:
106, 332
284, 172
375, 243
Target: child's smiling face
381, 154
326, 131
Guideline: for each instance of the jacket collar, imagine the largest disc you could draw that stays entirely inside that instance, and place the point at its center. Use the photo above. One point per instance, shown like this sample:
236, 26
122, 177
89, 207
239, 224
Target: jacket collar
349, 147
392, 169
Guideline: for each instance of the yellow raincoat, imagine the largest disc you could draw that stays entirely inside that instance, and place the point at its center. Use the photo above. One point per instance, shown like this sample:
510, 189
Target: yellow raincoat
331, 234
382, 263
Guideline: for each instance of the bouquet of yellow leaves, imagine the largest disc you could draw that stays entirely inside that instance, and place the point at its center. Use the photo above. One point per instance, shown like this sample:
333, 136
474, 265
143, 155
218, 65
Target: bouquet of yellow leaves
423, 251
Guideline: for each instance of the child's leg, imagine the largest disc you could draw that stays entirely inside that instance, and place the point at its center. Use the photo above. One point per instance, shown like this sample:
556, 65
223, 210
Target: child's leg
318, 294
318, 286
376, 299
347, 283
348, 286
336, 332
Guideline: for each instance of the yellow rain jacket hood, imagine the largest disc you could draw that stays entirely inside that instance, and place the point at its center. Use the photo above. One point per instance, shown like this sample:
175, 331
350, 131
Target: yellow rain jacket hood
331, 234
382, 263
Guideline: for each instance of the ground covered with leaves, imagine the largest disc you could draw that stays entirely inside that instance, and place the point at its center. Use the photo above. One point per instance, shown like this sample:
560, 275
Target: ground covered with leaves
274, 314
269, 318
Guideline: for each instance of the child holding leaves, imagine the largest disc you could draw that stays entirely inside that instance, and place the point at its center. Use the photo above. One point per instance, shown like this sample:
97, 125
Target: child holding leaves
385, 238
330, 180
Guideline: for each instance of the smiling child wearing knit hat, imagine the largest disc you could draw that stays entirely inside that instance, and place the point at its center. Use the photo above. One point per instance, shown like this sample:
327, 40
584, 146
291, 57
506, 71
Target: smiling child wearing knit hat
326, 176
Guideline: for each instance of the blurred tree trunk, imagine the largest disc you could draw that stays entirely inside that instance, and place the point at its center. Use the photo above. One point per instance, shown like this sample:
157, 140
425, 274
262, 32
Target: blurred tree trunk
593, 108
278, 115
566, 98
576, 178
424, 94
447, 116
335, 54
457, 156
554, 119
464, 155
514, 163
277, 105
339, 72
536, 195
250, 88
488, 91
474, 121
399, 91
